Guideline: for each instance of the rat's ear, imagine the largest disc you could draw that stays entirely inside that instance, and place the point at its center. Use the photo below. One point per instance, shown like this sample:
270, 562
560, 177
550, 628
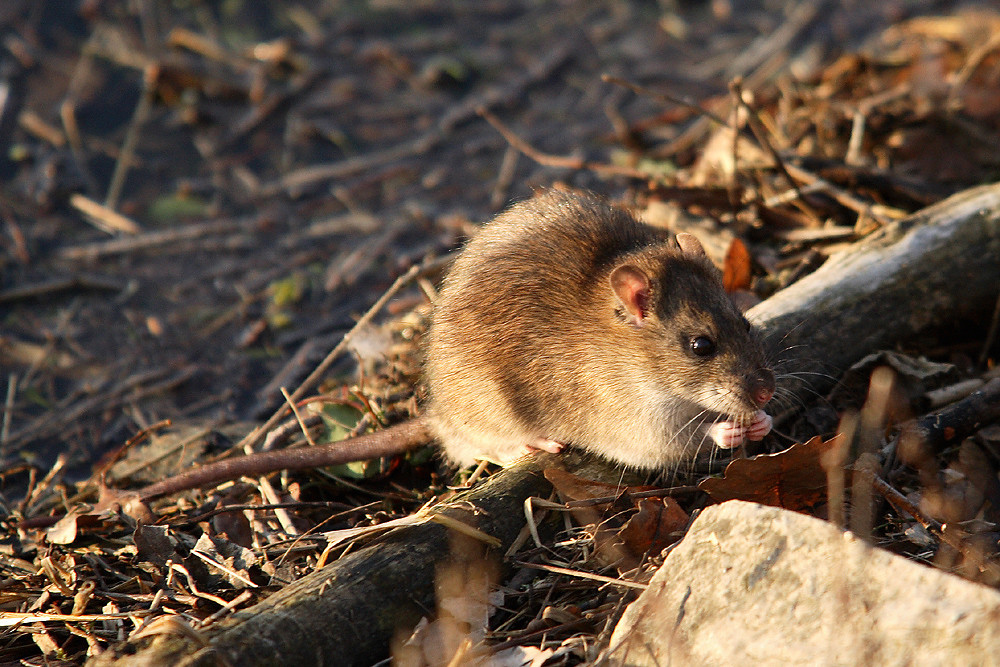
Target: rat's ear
690, 245
631, 286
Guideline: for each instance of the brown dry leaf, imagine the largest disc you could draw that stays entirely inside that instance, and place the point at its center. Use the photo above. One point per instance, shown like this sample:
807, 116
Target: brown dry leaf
653, 528
155, 544
172, 449
794, 479
44, 641
234, 526
572, 487
602, 519
236, 564
736, 271
66, 529
110, 503
647, 532
914, 376
127, 502
718, 160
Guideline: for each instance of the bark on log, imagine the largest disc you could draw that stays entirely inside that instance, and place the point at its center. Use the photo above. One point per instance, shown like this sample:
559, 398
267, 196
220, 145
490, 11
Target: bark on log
937, 266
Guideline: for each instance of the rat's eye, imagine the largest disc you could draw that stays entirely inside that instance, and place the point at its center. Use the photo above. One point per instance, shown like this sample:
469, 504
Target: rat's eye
747, 324
702, 346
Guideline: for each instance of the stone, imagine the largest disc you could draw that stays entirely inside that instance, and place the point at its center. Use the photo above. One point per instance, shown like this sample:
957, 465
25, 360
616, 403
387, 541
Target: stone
758, 585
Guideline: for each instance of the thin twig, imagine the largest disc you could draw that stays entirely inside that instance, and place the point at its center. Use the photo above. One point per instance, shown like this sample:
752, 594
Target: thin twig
270, 496
505, 176
300, 179
559, 161
754, 65
139, 117
129, 444
227, 609
103, 217
666, 97
734, 125
881, 214
32, 123
764, 140
974, 60
581, 574
777, 42
132, 389
950, 536
854, 144
298, 417
638, 495
55, 285
258, 433
268, 108
151, 240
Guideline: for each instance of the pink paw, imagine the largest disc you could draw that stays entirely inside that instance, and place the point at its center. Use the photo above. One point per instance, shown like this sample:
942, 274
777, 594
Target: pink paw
730, 434
726, 434
760, 427
546, 445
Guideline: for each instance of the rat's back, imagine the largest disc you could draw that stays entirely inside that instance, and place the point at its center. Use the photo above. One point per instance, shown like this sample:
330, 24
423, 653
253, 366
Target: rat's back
511, 310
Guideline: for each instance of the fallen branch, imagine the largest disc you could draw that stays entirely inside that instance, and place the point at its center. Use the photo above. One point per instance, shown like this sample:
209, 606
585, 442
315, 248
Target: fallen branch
958, 421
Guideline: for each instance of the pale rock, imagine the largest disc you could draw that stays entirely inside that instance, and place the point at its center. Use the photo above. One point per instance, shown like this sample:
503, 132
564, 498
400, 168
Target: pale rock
756, 585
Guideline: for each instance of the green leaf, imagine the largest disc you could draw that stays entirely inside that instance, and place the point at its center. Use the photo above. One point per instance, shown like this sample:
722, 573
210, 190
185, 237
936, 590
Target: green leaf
174, 207
340, 419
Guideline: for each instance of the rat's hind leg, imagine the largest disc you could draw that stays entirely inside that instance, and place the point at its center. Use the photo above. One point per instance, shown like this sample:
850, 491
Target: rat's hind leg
546, 445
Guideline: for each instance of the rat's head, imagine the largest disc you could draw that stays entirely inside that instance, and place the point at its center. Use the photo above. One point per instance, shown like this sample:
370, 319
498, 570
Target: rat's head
695, 344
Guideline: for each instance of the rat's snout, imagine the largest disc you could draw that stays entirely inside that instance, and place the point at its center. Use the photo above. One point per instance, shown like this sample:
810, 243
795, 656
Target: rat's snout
762, 386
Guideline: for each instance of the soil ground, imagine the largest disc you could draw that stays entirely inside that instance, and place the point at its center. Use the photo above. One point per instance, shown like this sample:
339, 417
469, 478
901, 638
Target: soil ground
197, 200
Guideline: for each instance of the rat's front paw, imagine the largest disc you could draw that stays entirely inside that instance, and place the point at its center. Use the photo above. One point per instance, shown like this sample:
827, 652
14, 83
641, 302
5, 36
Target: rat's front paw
760, 427
730, 434
727, 434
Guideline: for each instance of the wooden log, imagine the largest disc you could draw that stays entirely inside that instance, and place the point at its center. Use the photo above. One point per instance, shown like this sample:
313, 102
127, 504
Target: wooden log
937, 266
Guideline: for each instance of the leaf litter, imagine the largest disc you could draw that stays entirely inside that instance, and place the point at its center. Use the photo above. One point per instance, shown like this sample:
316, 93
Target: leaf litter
822, 155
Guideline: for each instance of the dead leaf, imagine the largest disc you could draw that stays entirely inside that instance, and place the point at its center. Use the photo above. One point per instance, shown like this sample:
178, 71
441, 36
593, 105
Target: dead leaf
44, 641
914, 376
794, 479
234, 526
154, 544
166, 452
66, 529
648, 531
238, 562
737, 269
572, 487
128, 502
110, 503
654, 527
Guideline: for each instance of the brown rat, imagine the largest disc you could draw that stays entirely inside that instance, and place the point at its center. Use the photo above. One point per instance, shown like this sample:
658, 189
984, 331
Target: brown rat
566, 321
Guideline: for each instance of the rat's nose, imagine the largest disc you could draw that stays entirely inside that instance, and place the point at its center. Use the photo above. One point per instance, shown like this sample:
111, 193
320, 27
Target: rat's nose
762, 387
